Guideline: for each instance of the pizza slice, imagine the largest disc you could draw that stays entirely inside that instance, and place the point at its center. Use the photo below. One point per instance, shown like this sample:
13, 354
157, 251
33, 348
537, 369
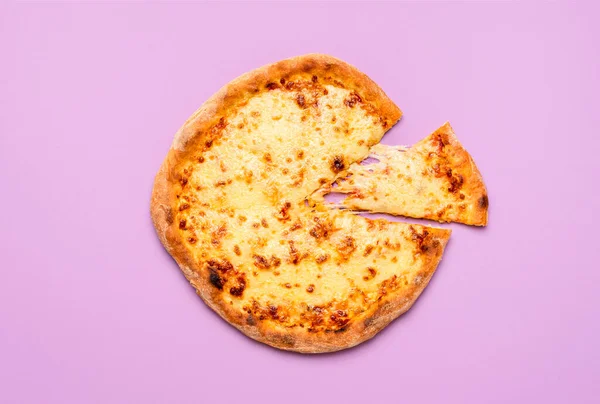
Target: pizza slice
435, 179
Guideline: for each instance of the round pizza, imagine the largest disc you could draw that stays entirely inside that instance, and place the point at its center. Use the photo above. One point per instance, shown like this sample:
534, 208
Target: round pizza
232, 203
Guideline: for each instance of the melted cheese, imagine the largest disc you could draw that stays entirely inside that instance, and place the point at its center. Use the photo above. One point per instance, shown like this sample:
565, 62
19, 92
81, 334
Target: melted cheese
243, 216
436, 179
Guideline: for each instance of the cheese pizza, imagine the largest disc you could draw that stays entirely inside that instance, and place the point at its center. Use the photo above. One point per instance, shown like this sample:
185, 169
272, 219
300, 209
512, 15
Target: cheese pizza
229, 204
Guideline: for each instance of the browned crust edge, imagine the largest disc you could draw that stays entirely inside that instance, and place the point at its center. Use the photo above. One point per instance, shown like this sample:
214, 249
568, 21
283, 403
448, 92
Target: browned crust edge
474, 187
253, 82
194, 130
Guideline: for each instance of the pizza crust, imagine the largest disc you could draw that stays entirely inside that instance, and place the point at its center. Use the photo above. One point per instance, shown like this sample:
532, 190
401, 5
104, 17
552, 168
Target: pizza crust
255, 81
196, 131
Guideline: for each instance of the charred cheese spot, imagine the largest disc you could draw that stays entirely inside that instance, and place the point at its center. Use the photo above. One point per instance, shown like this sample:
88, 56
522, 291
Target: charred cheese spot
321, 229
322, 258
284, 212
352, 100
216, 280
346, 247
265, 263
301, 101
223, 265
420, 239
456, 183
294, 254
439, 141
483, 202
394, 246
338, 164
261, 262
371, 272
218, 234
238, 289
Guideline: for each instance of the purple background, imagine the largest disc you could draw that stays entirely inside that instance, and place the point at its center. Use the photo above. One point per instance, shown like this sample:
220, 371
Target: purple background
93, 310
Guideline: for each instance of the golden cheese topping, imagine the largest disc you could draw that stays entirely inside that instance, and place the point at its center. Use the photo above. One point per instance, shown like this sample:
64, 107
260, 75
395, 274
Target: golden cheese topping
268, 258
435, 179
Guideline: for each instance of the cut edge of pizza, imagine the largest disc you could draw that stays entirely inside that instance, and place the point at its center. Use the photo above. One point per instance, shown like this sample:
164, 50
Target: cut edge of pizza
228, 204
436, 179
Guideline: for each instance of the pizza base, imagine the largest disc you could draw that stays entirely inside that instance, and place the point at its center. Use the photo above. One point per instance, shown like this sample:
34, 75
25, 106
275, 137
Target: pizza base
195, 132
